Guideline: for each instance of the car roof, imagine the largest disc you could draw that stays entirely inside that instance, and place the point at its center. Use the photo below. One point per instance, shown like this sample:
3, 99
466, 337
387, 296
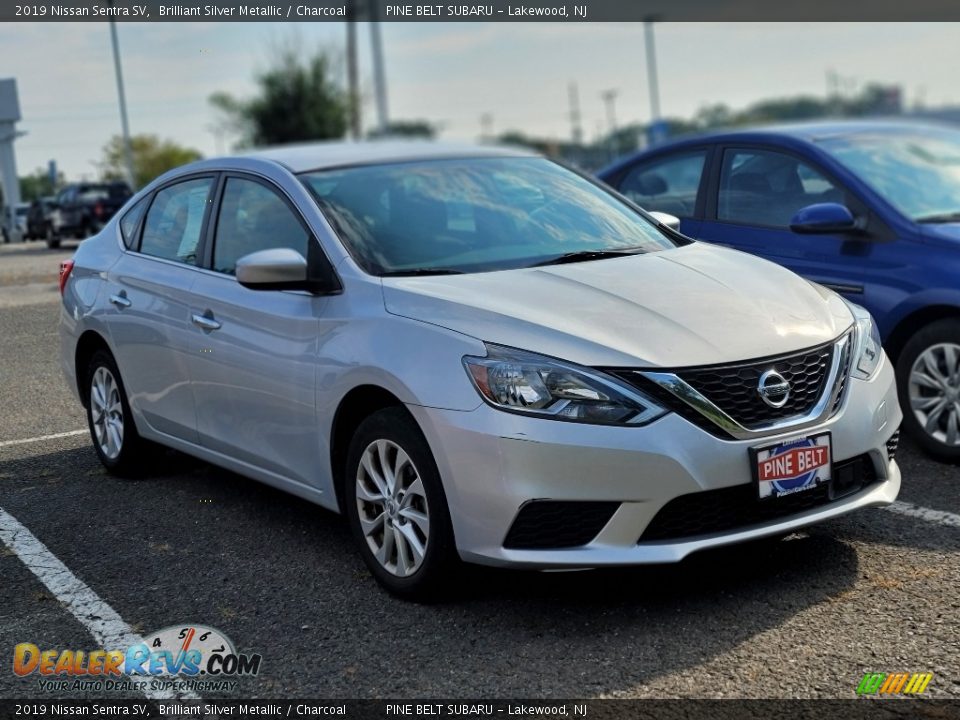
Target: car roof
794, 134
810, 131
326, 155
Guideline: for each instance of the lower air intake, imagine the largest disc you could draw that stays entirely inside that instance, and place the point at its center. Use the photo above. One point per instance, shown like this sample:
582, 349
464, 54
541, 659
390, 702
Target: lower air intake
738, 508
551, 524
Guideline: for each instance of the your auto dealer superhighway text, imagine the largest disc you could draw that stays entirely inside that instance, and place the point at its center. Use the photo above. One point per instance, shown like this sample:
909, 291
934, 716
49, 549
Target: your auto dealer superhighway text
414, 709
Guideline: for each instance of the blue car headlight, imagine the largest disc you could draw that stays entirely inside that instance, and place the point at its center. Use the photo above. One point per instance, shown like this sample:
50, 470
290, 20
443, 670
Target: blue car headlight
529, 384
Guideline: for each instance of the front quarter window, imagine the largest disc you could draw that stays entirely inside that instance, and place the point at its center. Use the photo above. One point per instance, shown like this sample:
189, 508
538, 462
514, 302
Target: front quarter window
474, 215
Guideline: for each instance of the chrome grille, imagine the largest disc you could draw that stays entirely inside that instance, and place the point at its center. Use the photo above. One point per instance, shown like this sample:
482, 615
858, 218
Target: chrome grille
725, 400
841, 383
733, 388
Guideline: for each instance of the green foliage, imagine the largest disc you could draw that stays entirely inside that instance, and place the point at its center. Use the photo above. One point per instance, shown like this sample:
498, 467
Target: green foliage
297, 101
37, 185
151, 157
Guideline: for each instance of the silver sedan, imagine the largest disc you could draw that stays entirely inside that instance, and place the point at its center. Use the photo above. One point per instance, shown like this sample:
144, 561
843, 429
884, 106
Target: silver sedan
475, 354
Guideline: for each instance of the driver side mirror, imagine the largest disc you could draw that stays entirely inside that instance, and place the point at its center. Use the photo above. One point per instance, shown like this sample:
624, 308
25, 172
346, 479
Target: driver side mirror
824, 219
284, 269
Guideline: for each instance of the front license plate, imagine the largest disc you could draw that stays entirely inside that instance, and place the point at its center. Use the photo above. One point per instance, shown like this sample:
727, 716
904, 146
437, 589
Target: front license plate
793, 466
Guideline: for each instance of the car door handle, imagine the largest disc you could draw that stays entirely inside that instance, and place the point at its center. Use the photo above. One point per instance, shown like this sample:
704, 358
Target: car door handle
121, 300
206, 322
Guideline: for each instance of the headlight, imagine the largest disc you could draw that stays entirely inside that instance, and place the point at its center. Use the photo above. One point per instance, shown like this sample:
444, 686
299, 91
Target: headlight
867, 351
522, 382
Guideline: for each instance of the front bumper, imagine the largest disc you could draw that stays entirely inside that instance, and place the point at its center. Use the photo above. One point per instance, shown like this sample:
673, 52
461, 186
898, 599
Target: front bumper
493, 462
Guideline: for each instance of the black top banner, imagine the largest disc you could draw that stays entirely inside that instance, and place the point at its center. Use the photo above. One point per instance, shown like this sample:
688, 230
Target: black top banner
483, 11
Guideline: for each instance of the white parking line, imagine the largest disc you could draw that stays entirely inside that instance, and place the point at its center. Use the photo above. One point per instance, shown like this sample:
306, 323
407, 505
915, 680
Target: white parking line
102, 621
935, 516
41, 438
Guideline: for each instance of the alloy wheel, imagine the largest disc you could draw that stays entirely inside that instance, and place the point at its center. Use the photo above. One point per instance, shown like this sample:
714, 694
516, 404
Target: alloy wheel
934, 392
392, 506
106, 411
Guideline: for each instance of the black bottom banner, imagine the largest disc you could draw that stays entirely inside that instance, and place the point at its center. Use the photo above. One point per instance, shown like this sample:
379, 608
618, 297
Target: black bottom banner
862, 708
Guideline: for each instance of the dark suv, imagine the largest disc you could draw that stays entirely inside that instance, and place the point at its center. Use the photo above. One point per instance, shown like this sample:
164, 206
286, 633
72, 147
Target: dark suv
83, 208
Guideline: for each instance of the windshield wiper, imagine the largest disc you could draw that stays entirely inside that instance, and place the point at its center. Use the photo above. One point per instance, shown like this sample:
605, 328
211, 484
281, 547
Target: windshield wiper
412, 272
584, 255
940, 218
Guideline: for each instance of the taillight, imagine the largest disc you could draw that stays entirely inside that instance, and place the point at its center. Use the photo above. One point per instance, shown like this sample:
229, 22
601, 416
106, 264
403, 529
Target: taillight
65, 267
98, 209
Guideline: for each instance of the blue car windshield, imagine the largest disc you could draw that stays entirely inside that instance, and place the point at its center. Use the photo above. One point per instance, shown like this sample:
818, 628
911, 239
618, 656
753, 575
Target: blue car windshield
917, 171
476, 214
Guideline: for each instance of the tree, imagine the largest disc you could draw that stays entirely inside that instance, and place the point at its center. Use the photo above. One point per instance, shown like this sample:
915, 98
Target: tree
37, 185
297, 101
151, 157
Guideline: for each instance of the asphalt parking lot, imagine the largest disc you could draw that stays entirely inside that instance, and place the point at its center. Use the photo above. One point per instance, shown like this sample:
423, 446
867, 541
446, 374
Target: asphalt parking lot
804, 617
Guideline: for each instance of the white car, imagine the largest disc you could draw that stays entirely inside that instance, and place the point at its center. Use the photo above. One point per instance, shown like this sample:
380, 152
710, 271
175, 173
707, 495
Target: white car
477, 355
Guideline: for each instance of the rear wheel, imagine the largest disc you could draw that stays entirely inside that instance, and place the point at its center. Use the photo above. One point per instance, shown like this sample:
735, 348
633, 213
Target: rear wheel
928, 380
53, 241
115, 438
397, 508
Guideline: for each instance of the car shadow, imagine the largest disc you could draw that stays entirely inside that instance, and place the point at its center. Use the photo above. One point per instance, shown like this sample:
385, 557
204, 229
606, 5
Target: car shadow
193, 543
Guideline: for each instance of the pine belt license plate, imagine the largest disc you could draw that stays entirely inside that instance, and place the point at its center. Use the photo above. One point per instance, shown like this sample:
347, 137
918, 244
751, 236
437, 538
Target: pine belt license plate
793, 466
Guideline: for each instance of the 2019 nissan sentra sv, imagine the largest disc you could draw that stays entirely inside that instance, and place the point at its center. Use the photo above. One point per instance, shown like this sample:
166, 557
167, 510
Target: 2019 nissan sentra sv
475, 354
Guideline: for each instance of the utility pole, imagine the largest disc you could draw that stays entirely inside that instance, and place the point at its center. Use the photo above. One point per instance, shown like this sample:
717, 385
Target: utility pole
125, 124
609, 98
353, 89
576, 130
652, 81
379, 71
486, 127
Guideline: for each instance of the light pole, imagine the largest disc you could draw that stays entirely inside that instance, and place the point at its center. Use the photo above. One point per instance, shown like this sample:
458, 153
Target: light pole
609, 98
379, 72
353, 84
658, 129
652, 81
125, 124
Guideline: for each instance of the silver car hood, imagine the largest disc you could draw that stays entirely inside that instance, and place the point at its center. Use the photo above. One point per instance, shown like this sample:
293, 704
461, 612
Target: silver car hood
694, 305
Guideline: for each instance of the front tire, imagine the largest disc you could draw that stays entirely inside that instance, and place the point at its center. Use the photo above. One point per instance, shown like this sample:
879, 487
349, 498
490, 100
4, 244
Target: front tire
928, 383
397, 509
115, 438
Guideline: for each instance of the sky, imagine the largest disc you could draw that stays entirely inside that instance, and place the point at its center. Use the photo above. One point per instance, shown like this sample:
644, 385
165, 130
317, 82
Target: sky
448, 73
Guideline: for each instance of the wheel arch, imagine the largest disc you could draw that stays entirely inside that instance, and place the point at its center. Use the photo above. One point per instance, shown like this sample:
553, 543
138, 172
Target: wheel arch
357, 405
88, 343
915, 321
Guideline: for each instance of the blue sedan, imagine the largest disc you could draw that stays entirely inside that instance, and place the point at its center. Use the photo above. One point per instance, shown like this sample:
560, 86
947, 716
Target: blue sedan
869, 209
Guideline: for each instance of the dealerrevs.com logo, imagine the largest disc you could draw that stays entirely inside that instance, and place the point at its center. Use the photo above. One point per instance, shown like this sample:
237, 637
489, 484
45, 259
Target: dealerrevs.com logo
182, 657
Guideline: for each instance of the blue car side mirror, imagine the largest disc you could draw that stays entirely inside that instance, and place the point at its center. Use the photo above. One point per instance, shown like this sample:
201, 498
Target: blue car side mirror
824, 218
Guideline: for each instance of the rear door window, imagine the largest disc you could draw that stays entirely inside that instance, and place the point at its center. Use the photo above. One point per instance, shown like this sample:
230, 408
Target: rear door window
174, 221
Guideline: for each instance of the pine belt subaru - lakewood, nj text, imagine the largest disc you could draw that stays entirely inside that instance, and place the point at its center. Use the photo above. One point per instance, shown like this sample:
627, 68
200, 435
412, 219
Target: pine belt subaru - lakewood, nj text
475, 354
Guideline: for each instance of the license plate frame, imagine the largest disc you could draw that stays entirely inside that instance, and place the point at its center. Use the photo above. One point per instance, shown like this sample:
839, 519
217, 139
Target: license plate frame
785, 478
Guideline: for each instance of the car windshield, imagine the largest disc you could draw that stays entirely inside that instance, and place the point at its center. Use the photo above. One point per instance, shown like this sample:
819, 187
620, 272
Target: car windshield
918, 172
475, 215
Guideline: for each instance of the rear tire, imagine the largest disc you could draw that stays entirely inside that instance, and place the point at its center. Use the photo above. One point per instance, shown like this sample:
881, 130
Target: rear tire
397, 509
928, 384
115, 439
53, 242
